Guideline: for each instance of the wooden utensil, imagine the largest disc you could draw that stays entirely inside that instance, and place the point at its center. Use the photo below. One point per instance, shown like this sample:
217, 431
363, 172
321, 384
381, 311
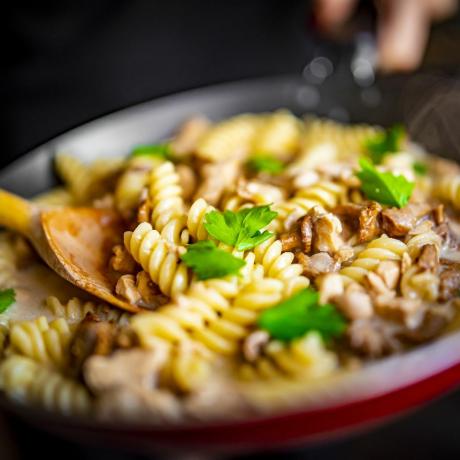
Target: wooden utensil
75, 242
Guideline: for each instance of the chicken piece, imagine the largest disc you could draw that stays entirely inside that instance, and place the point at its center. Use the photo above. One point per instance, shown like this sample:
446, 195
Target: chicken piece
376, 286
126, 288
369, 222
374, 337
216, 178
344, 254
355, 303
434, 322
133, 404
187, 180
254, 343
305, 179
326, 233
125, 368
290, 240
186, 140
258, 192
406, 262
151, 296
408, 312
398, 222
390, 272
306, 232
300, 236
318, 264
92, 337
219, 396
429, 257
122, 261
439, 215
449, 283
361, 218
330, 287
144, 210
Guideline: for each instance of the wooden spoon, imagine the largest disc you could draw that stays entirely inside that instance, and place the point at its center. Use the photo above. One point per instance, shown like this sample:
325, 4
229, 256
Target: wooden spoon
75, 242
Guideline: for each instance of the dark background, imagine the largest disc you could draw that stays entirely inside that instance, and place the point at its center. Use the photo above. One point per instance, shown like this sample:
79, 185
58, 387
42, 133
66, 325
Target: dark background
68, 62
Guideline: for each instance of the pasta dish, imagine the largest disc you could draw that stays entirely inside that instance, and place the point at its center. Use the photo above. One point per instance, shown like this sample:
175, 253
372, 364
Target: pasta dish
267, 254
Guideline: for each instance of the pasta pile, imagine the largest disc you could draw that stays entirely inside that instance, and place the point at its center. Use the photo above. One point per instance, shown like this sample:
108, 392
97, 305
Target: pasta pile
264, 250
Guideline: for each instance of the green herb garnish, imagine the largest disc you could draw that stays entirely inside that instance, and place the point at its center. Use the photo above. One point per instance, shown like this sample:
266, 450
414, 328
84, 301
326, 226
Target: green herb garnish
7, 298
386, 188
385, 143
300, 314
240, 229
207, 261
265, 163
421, 169
156, 150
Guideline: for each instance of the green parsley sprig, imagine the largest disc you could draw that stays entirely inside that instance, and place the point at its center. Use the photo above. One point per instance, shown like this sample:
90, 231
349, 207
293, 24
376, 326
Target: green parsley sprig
386, 188
240, 229
7, 298
265, 163
421, 169
300, 314
207, 261
155, 150
387, 142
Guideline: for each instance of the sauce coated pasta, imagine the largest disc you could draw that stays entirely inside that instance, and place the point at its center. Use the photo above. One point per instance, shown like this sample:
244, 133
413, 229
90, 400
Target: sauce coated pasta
265, 251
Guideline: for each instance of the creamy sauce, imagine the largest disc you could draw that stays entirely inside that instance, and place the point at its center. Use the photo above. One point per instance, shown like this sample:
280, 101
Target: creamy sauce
32, 285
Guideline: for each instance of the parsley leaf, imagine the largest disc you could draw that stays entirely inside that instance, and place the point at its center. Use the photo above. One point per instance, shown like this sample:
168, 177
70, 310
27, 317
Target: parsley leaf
386, 188
240, 229
385, 143
156, 150
7, 297
421, 169
207, 261
265, 163
301, 313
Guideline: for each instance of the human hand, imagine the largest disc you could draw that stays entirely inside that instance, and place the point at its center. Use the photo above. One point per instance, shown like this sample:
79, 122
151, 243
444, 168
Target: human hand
402, 31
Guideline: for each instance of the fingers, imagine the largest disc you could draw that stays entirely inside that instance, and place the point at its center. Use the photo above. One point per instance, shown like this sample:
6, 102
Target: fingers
402, 34
332, 13
441, 9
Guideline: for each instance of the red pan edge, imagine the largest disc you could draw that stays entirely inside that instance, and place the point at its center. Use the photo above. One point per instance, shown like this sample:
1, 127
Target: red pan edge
292, 428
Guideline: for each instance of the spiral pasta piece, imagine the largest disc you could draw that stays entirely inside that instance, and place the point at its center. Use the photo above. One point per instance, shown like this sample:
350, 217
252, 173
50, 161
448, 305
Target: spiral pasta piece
278, 264
86, 181
187, 368
57, 196
229, 138
449, 190
224, 333
203, 303
420, 284
24, 379
158, 258
131, 183
42, 341
75, 310
302, 358
378, 250
165, 194
325, 194
278, 134
196, 219
347, 141
417, 242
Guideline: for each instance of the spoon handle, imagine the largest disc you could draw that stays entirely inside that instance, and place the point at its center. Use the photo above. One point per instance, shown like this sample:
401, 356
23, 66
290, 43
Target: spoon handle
15, 212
